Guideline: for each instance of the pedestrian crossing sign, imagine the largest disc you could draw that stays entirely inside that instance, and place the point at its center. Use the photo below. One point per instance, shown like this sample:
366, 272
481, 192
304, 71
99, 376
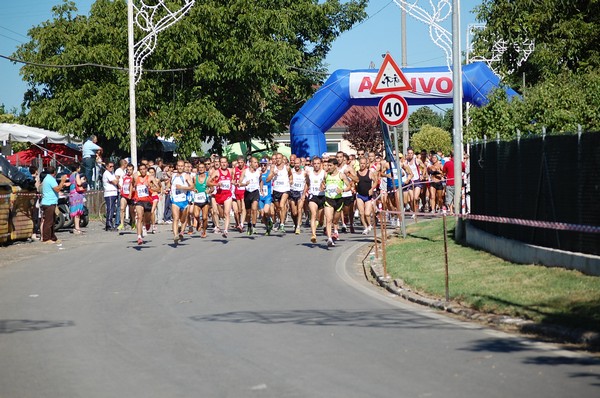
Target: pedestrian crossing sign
390, 78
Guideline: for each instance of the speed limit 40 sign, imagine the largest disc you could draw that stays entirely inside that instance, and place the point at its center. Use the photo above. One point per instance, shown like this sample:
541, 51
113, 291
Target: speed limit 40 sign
393, 109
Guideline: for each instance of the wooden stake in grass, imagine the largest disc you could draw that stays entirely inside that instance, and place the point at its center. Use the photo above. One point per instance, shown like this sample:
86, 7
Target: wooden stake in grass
446, 256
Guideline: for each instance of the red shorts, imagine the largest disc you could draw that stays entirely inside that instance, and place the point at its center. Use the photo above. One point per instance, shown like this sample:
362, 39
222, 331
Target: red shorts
222, 196
239, 194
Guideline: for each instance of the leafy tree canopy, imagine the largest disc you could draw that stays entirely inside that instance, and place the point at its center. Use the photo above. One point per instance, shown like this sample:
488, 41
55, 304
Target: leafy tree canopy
566, 35
559, 104
431, 138
248, 64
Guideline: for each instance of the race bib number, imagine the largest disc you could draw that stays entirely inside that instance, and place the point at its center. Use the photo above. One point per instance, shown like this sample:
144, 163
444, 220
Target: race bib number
279, 183
298, 185
127, 188
200, 197
225, 185
264, 191
142, 191
332, 190
179, 196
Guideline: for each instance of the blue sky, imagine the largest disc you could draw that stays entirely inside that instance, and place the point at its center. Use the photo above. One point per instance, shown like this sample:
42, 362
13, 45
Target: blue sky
355, 49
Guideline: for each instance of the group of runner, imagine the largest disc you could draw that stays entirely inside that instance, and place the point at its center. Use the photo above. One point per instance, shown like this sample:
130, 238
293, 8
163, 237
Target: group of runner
326, 190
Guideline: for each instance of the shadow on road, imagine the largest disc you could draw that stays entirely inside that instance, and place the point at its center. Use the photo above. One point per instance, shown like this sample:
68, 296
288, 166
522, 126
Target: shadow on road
28, 325
366, 319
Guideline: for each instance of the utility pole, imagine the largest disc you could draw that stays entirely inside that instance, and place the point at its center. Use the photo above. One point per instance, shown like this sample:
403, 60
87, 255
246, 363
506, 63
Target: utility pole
457, 104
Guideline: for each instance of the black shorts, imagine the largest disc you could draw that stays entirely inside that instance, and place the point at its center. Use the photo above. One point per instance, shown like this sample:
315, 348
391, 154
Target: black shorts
337, 204
349, 200
319, 200
296, 195
130, 202
146, 205
437, 185
250, 197
277, 196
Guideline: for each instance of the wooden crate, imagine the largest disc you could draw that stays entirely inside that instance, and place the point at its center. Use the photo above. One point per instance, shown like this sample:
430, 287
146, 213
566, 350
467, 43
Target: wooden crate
5, 193
22, 206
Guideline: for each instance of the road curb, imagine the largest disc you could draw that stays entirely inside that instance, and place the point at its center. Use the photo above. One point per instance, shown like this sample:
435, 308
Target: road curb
586, 339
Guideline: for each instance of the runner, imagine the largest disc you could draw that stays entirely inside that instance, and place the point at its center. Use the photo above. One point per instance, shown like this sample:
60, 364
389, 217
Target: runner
222, 180
265, 204
297, 194
143, 201
348, 196
201, 199
335, 184
181, 184
154, 193
250, 180
125, 186
280, 175
367, 181
316, 198
239, 208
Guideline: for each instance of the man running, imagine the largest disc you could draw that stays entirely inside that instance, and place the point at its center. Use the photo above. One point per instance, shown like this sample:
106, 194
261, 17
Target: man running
367, 182
181, 184
239, 208
126, 187
265, 204
222, 179
143, 184
335, 184
250, 181
348, 196
297, 194
280, 176
316, 196
201, 199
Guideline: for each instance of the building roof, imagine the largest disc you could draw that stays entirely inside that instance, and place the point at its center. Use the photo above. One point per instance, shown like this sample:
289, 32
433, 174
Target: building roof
365, 111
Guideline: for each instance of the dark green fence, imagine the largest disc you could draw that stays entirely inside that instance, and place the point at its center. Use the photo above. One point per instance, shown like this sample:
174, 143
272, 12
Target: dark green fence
554, 178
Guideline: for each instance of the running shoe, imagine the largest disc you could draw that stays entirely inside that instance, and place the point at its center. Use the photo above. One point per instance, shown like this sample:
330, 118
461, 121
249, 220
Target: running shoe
313, 239
365, 231
203, 234
330, 242
249, 232
181, 237
297, 231
120, 227
140, 240
335, 236
344, 228
240, 228
281, 228
176, 240
144, 232
351, 228
224, 234
270, 225
154, 229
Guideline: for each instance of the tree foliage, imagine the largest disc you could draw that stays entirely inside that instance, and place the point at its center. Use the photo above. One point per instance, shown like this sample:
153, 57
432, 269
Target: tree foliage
425, 115
431, 138
560, 104
248, 66
364, 132
566, 35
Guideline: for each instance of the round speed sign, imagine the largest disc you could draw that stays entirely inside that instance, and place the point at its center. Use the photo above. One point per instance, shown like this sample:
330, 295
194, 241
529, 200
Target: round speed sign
393, 109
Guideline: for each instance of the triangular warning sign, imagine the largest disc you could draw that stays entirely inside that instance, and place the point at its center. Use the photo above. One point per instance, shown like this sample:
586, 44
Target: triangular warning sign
390, 78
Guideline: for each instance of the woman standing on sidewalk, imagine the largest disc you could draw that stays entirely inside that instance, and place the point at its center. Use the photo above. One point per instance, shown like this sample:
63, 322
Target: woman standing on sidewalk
76, 197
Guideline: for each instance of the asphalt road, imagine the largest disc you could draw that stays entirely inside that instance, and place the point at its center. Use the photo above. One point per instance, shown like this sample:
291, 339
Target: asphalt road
255, 316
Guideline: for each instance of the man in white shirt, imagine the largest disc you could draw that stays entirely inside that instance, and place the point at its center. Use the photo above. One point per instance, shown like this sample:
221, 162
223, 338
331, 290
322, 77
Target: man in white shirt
110, 184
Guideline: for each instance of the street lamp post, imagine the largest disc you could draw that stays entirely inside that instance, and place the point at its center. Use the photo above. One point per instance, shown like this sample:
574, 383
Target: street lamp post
457, 104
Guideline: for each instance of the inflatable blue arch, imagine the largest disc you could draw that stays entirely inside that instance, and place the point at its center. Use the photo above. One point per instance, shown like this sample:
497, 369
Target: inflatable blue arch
345, 88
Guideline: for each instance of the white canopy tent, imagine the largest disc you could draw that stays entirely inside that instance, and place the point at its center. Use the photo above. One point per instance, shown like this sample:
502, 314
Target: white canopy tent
21, 133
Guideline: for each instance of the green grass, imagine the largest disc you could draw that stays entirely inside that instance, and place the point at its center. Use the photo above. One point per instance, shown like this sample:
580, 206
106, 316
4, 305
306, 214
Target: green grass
487, 283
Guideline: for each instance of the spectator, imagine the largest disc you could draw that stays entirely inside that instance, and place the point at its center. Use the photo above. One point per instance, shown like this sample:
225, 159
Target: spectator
50, 190
111, 190
89, 153
76, 197
35, 212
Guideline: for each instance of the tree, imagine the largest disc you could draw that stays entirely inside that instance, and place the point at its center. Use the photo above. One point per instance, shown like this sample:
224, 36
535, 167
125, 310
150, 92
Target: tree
425, 115
246, 65
566, 35
364, 132
560, 104
431, 138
